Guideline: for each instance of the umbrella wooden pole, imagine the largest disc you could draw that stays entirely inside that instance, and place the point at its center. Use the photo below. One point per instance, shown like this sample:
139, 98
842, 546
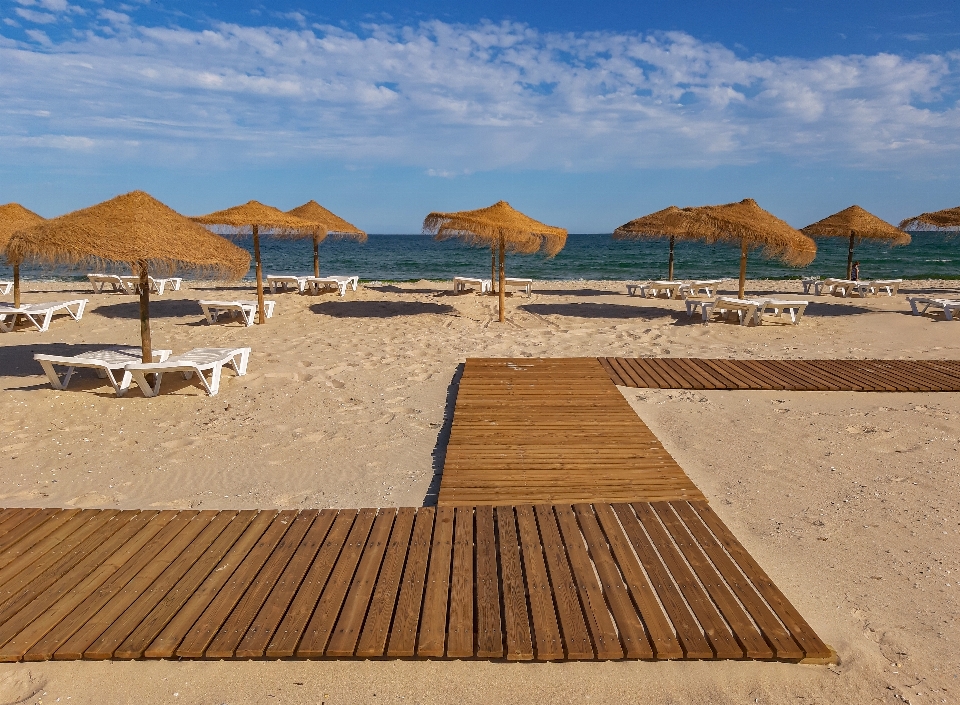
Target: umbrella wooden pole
850, 257
743, 267
316, 256
502, 297
146, 348
493, 268
673, 240
261, 313
16, 285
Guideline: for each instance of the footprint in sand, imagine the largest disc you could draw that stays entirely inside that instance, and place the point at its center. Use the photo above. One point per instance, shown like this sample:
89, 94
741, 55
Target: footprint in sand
90, 499
20, 687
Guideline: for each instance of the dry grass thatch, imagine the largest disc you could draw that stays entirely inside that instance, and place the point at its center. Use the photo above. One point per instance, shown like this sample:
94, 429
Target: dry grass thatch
326, 223
947, 218
240, 220
859, 223
744, 223
486, 226
130, 228
14, 217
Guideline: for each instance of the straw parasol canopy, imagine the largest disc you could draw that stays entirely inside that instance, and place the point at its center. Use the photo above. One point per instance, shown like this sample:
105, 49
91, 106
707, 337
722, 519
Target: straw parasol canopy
15, 217
947, 218
135, 229
326, 223
498, 226
249, 218
857, 224
744, 223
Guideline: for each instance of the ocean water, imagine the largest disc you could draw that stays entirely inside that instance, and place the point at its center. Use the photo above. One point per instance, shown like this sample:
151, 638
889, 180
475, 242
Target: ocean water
413, 257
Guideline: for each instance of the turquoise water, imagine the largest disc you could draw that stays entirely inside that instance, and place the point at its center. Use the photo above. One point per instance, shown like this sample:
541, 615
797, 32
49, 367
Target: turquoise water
412, 257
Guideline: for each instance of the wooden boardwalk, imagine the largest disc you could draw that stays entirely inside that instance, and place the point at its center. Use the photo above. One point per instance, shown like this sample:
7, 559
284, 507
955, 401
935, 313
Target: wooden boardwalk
548, 582
792, 375
529, 431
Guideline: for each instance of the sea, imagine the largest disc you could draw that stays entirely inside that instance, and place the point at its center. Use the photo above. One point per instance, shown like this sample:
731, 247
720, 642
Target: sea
931, 255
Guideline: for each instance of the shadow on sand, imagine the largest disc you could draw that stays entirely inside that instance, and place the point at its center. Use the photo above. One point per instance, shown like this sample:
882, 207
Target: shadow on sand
443, 438
596, 310
378, 309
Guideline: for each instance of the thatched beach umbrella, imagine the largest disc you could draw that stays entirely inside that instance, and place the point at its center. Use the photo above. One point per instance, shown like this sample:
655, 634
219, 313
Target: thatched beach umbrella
250, 218
947, 218
745, 224
857, 224
135, 229
15, 217
326, 223
499, 226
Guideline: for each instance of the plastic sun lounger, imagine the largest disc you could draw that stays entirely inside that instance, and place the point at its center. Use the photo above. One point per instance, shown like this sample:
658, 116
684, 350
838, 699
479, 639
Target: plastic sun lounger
673, 288
746, 309
105, 362
195, 362
779, 306
101, 281
525, 284
948, 306
39, 314
6, 287
158, 285
891, 286
318, 284
709, 286
810, 283
830, 286
461, 284
282, 281
245, 309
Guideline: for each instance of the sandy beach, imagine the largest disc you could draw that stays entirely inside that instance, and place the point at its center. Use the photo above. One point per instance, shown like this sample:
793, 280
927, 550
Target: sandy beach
848, 500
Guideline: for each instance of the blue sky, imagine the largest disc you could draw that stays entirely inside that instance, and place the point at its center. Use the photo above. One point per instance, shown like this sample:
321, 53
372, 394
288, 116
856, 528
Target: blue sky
584, 115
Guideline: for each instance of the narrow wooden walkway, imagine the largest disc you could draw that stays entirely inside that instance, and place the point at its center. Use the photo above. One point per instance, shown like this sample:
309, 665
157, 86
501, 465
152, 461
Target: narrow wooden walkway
792, 375
601, 581
529, 431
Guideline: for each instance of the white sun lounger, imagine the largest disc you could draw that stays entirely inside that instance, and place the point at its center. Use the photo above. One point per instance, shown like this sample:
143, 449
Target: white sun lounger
245, 309
6, 287
778, 307
195, 362
461, 284
891, 286
39, 314
131, 284
282, 281
842, 286
525, 284
105, 362
101, 281
746, 309
672, 288
318, 284
708, 286
948, 306
810, 283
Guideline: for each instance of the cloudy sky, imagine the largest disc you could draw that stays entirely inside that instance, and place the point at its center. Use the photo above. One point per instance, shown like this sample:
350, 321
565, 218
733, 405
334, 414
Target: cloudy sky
585, 115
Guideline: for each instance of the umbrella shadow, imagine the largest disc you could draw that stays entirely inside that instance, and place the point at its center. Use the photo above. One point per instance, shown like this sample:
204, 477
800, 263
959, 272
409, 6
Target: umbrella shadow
439, 453
394, 289
379, 309
577, 292
159, 308
824, 310
598, 310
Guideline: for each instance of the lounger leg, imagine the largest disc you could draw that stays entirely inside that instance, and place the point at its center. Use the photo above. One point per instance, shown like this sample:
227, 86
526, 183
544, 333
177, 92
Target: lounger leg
214, 385
54, 377
948, 314
240, 367
7, 328
145, 387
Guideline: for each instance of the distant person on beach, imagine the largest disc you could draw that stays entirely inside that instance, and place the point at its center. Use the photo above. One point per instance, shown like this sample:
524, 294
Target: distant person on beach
855, 272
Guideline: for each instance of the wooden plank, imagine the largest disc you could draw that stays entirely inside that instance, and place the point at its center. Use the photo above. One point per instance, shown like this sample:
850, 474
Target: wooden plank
546, 632
403, 634
749, 637
633, 639
297, 602
718, 632
692, 639
12, 517
35, 536
515, 621
126, 624
576, 638
808, 640
226, 641
489, 627
30, 624
173, 634
343, 638
376, 628
614, 375
433, 624
591, 595
661, 633
783, 645
460, 636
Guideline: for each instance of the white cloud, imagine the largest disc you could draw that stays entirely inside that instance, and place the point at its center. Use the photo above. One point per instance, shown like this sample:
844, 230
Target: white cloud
36, 17
452, 99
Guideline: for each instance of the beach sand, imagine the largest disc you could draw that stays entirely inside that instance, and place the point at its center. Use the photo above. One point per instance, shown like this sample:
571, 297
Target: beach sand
849, 501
